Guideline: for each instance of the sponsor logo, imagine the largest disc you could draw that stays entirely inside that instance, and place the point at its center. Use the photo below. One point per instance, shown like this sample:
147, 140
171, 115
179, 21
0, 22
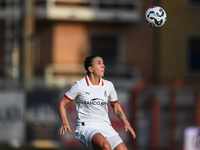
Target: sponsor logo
87, 93
96, 101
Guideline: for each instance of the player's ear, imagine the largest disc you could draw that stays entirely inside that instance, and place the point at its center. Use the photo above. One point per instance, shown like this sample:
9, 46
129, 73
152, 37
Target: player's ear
90, 69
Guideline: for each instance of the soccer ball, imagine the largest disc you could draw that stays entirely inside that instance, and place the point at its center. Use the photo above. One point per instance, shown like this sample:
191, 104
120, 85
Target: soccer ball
155, 16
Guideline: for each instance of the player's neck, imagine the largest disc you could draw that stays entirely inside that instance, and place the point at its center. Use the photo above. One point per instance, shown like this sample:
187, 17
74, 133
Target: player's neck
94, 80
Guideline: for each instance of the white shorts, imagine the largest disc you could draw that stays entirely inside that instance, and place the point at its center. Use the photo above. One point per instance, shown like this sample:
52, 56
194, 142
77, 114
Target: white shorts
85, 133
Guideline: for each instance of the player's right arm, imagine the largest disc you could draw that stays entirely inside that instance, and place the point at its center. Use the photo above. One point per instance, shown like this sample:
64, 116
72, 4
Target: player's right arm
63, 116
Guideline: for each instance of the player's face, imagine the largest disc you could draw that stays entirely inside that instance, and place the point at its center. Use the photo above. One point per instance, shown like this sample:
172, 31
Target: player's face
98, 67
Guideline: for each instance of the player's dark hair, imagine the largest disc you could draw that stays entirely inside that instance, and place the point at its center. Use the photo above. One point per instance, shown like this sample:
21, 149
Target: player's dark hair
88, 62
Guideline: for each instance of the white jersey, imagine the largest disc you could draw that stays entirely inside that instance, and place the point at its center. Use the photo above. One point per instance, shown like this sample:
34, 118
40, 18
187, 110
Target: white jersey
91, 100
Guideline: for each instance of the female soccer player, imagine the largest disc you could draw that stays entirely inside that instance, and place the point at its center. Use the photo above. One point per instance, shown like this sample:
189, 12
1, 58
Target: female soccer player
91, 94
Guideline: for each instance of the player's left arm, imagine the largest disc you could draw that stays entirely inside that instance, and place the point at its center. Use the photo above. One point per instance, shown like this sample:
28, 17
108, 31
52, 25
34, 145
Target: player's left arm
120, 114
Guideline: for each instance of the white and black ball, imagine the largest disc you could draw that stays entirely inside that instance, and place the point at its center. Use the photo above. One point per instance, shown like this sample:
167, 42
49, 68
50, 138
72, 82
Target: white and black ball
155, 16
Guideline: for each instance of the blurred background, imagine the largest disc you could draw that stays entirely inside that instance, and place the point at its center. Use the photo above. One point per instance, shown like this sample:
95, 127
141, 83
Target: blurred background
156, 71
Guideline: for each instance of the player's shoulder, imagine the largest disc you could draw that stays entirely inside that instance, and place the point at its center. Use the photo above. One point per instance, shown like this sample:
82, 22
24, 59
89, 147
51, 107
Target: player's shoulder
107, 82
81, 81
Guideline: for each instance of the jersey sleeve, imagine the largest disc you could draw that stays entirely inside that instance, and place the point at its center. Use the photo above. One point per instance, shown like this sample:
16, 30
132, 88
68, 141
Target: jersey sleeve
72, 92
113, 94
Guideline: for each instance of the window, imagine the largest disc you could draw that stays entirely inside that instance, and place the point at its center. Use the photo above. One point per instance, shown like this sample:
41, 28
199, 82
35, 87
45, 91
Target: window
193, 3
110, 46
106, 46
193, 56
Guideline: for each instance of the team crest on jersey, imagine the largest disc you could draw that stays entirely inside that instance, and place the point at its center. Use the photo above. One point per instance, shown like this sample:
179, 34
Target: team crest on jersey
105, 94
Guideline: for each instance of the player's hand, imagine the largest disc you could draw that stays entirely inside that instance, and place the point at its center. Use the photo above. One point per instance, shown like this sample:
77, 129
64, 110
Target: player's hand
128, 127
64, 128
